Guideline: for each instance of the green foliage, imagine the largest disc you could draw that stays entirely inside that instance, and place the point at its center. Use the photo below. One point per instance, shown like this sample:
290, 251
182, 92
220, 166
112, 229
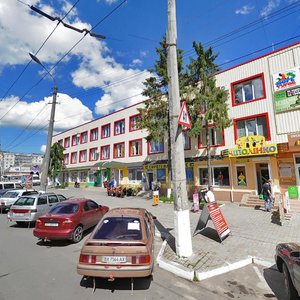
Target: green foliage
165, 199
56, 160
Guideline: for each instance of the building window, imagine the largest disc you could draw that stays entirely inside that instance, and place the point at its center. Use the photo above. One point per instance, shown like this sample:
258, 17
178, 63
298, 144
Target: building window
119, 150
105, 131
75, 139
73, 157
161, 175
66, 159
189, 173
249, 89
252, 126
84, 137
155, 147
82, 156
120, 127
60, 142
135, 175
93, 154
220, 176
135, 148
67, 142
241, 176
216, 137
186, 141
134, 122
94, 134
105, 152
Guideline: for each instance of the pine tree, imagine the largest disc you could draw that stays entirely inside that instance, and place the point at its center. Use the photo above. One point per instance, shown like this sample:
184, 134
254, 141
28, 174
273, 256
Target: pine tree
207, 103
155, 114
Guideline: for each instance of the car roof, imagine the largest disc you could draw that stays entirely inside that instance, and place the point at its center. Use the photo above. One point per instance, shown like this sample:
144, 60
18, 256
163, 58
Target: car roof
126, 211
76, 200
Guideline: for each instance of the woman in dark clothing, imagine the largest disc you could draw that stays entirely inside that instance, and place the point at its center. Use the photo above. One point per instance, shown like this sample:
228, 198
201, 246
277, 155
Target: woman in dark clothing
266, 191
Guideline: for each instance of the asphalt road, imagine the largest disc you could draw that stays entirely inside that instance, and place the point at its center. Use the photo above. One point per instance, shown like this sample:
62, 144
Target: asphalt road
31, 270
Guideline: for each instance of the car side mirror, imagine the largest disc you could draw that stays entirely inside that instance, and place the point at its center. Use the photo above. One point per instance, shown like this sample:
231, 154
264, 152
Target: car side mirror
154, 217
295, 255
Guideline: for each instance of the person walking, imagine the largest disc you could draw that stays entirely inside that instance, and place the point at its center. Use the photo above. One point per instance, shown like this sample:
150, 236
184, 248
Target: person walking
266, 191
210, 195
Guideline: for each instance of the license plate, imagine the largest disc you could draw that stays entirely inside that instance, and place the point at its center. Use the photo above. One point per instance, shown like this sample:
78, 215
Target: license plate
19, 214
51, 224
114, 259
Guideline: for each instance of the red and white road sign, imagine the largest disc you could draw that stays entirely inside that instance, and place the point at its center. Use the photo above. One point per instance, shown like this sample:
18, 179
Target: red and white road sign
184, 117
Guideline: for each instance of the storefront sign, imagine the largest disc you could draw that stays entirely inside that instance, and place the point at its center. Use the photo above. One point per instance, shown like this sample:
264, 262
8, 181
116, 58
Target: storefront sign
252, 146
293, 192
294, 141
286, 79
152, 167
287, 100
213, 211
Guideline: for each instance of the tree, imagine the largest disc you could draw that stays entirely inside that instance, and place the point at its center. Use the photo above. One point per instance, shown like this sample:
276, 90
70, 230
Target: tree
56, 160
155, 114
207, 103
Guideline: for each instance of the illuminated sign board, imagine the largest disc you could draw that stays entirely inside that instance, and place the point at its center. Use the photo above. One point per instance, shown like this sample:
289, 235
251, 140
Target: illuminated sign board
254, 145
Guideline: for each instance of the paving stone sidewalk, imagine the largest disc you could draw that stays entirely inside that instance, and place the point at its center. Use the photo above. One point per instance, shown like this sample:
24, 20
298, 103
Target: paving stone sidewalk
254, 234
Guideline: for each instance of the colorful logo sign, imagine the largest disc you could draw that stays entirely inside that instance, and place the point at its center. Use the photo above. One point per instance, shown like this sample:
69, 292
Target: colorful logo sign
287, 100
254, 145
286, 79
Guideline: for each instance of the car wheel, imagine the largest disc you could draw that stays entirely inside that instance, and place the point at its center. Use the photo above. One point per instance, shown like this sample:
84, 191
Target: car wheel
77, 234
291, 292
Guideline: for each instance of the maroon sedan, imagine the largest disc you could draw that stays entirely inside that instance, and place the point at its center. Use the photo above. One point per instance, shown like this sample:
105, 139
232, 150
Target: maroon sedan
68, 220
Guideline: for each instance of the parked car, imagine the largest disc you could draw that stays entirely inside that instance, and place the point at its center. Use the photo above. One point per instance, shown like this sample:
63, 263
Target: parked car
10, 197
36, 179
29, 208
68, 220
7, 186
120, 246
288, 261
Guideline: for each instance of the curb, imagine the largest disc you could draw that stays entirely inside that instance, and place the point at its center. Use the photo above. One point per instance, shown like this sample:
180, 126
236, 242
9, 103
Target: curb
173, 267
191, 275
218, 271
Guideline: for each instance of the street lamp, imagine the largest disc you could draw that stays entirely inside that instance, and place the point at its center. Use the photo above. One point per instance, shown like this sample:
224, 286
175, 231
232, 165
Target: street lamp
46, 162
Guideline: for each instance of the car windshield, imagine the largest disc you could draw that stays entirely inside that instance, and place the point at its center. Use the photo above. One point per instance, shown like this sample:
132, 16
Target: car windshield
10, 195
64, 208
119, 228
23, 201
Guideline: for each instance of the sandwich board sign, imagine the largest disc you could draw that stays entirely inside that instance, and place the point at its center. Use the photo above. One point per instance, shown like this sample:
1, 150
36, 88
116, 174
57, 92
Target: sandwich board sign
212, 211
184, 117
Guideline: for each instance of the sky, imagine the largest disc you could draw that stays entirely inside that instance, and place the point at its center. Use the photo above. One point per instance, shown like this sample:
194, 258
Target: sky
96, 76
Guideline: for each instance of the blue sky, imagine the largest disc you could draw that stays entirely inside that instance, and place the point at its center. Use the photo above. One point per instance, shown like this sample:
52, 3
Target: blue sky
95, 77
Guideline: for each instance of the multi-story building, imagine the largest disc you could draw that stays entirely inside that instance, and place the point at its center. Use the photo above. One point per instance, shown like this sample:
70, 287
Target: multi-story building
263, 142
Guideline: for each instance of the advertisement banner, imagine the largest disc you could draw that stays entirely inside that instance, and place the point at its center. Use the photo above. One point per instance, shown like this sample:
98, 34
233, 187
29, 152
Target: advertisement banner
287, 100
286, 79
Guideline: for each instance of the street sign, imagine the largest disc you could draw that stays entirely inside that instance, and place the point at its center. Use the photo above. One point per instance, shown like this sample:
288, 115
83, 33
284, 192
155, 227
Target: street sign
184, 117
213, 212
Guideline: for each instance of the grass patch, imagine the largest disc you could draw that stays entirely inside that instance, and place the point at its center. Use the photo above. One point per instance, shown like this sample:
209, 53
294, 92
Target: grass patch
165, 199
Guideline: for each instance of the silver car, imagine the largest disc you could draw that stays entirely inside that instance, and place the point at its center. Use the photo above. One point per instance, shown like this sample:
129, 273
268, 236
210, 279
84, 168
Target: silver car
10, 197
29, 208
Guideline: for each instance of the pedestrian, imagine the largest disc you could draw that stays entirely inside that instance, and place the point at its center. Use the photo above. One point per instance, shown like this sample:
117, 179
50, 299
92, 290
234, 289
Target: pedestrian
210, 195
267, 193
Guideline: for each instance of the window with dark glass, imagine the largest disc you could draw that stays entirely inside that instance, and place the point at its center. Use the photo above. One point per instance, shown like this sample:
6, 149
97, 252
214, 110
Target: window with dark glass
93, 154
215, 137
67, 142
82, 156
241, 176
135, 147
120, 127
94, 134
119, 150
248, 90
105, 152
253, 126
84, 137
105, 131
134, 122
156, 146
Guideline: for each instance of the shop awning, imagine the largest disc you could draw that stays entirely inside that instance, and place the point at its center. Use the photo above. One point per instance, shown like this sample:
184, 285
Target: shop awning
116, 164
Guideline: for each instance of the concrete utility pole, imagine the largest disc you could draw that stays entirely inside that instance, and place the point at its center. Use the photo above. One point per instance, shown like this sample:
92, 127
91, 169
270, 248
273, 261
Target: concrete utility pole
46, 161
181, 207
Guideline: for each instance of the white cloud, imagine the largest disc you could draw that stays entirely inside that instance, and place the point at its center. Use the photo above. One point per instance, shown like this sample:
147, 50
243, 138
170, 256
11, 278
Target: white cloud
136, 62
144, 53
43, 148
244, 10
97, 68
271, 5
70, 112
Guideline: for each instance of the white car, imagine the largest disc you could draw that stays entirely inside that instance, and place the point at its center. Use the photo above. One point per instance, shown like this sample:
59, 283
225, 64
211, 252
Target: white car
10, 197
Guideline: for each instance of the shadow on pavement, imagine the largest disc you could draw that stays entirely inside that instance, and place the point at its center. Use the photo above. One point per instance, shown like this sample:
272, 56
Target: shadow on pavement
117, 284
210, 233
165, 234
275, 281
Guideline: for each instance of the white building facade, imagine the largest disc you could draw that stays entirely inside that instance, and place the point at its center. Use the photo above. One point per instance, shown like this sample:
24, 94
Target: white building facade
263, 142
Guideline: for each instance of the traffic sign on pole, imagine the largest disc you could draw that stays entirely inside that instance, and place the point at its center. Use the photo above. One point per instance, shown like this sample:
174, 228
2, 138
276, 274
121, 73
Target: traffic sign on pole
184, 117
